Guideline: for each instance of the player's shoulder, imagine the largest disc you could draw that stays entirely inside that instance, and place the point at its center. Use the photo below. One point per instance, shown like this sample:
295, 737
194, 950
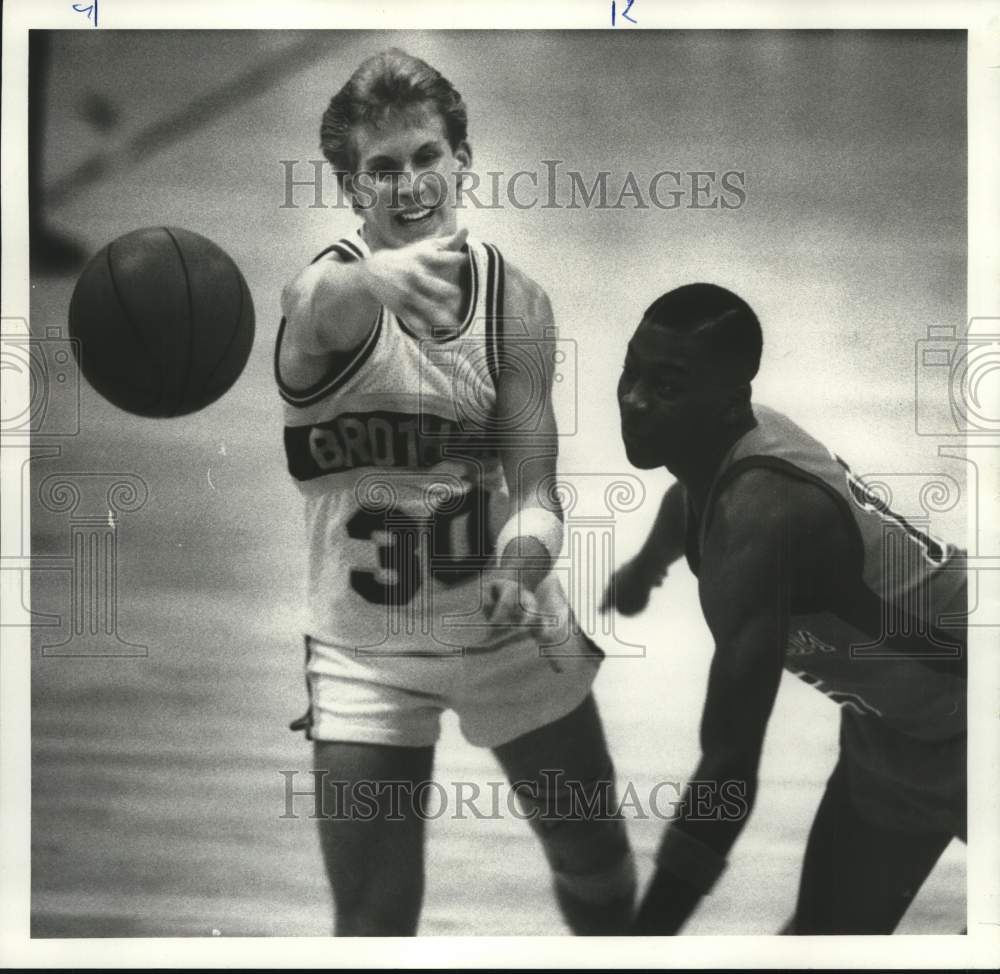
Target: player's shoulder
524, 297
303, 284
322, 312
764, 502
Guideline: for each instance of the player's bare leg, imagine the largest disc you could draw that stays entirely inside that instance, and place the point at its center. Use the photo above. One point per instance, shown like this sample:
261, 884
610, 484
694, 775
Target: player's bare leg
592, 865
859, 878
375, 862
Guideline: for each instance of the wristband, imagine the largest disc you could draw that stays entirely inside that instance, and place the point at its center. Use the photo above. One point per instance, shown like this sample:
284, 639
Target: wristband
533, 522
690, 859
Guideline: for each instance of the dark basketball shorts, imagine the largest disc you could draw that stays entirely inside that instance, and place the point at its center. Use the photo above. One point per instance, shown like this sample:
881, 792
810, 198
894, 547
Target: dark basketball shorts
902, 782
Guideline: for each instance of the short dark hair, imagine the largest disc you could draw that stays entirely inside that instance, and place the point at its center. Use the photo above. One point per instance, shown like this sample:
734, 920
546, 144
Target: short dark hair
384, 82
728, 322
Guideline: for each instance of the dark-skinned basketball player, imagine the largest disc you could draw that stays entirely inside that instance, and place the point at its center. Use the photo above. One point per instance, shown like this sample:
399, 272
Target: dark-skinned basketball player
422, 451
799, 567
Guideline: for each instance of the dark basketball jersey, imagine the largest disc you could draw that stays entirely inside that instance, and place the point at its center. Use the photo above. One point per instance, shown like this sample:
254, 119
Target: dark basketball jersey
901, 571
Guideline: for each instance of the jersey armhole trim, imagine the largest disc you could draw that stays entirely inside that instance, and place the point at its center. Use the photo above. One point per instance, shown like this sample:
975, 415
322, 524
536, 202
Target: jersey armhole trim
346, 250
343, 366
494, 312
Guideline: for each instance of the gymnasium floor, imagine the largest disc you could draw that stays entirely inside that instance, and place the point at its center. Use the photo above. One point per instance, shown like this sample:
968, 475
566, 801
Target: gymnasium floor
157, 786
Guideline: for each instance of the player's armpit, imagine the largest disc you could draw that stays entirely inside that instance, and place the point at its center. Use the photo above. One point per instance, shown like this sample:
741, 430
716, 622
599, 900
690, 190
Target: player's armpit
328, 308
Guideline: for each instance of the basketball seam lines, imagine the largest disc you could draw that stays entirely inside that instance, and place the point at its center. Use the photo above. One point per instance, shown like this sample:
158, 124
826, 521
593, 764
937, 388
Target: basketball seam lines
185, 389
128, 317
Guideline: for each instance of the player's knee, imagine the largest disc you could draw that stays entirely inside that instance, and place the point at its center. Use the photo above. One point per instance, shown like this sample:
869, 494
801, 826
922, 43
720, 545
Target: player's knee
588, 852
583, 835
591, 861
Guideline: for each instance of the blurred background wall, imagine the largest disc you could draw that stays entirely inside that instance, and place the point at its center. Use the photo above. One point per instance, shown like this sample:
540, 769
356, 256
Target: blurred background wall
156, 786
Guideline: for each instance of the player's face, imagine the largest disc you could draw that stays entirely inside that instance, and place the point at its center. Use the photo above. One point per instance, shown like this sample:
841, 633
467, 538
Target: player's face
405, 184
669, 396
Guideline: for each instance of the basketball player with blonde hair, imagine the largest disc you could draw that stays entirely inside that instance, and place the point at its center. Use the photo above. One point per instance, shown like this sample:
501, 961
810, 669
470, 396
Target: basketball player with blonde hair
426, 456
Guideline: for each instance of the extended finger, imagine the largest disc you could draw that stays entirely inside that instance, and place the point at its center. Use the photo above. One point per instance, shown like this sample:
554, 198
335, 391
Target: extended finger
443, 262
455, 242
433, 288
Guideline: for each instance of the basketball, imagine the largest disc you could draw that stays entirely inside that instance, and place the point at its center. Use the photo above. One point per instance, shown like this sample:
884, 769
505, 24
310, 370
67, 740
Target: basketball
163, 322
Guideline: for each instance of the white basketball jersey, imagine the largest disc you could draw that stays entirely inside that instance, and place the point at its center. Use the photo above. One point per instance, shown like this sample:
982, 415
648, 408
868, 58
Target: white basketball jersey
899, 573
404, 494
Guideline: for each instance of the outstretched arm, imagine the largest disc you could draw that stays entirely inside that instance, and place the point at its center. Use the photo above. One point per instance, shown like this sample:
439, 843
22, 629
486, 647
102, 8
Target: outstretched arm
748, 564
629, 588
331, 306
665, 543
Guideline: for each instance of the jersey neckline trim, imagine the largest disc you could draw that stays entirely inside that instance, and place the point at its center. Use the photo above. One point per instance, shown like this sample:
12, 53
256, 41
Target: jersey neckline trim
470, 311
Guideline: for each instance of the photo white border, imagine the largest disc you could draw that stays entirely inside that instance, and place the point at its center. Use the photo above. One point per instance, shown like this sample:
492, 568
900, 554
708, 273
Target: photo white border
980, 948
